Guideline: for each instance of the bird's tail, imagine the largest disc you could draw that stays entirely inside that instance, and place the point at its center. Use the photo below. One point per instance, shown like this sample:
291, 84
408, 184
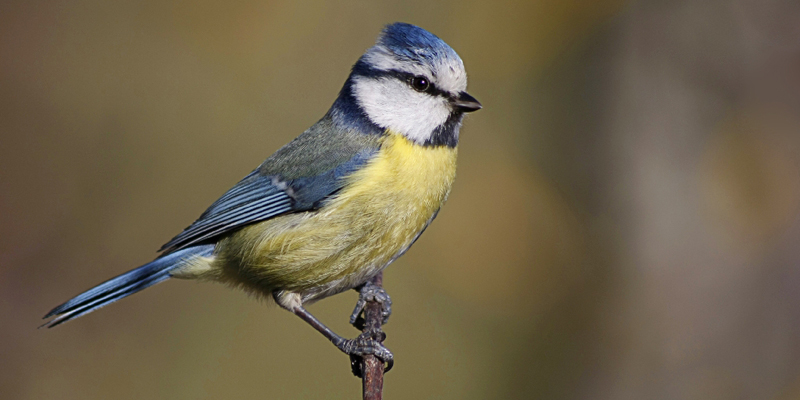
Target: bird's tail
125, 285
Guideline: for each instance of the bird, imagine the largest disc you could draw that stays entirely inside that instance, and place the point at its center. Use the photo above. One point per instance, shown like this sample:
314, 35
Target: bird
335, 206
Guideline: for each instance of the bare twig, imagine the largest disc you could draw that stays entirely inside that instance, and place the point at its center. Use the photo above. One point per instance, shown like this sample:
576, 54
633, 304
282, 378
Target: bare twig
371, 366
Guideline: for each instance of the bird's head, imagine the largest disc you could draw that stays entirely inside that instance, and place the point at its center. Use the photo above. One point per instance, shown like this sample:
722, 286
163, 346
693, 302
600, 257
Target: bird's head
412, 83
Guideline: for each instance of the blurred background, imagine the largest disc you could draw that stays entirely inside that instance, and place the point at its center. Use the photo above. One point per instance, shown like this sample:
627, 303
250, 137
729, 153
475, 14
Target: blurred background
624, 224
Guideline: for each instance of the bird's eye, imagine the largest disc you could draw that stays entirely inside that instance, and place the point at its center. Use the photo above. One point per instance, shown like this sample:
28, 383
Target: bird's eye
420, 84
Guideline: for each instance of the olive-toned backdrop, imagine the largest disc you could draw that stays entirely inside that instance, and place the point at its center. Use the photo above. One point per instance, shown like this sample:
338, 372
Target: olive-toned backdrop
624, 224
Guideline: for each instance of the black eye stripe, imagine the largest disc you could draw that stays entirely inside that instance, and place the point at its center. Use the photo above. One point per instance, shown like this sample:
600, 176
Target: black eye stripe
420, 84
432, 89
363, 69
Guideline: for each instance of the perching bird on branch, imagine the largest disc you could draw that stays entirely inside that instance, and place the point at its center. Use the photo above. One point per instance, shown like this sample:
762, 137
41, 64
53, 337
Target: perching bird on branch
337, 204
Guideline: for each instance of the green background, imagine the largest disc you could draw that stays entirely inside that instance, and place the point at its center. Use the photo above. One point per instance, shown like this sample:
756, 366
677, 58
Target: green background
624, 224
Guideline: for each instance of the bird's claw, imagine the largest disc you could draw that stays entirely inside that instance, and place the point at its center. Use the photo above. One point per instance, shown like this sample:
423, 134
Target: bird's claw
370, 292
367, 343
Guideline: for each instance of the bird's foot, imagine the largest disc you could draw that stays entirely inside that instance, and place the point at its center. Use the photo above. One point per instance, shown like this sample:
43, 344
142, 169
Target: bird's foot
367, 343
371, 292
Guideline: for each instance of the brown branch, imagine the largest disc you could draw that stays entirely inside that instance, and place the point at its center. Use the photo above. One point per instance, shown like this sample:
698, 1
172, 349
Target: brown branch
371, 366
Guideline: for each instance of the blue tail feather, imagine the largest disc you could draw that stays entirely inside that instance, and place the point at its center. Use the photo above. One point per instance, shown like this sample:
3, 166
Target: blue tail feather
124, 285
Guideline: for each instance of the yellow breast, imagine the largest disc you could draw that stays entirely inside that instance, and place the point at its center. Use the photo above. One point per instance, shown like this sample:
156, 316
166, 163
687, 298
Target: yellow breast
374, 217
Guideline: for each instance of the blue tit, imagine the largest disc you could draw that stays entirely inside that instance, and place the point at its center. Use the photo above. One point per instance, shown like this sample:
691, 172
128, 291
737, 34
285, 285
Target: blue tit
336, 205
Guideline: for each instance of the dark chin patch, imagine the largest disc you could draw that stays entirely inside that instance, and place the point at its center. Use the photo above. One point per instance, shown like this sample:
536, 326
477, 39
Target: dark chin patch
446, 134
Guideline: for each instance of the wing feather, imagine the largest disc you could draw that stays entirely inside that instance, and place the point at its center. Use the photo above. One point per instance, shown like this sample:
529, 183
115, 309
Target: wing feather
259, 197
255, 198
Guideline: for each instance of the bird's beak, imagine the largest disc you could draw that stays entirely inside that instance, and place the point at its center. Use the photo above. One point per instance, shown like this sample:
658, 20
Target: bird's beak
467, 103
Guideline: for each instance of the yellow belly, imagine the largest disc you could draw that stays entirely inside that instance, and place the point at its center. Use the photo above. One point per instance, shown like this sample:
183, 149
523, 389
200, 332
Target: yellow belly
375, 216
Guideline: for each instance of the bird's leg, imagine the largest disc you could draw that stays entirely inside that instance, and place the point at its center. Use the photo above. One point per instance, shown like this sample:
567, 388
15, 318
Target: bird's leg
371, 292
364, 344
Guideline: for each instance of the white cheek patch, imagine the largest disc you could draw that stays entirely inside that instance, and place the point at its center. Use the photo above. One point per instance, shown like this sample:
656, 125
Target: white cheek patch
392, 104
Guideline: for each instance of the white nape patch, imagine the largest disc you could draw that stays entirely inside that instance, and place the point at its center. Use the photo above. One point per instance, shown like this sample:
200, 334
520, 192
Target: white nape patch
392, 104
448, 73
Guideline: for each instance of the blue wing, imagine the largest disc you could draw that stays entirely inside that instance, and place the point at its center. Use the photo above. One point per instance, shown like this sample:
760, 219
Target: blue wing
261, 196
254, 198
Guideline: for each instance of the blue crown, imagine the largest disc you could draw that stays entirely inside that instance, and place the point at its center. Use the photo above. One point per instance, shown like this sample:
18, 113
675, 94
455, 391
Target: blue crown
414, 44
